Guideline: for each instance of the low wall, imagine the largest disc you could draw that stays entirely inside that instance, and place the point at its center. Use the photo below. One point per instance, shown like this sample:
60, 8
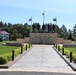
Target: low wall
14, 44
43, 38
19, 40
69, 45
62, 41
67, 41
25, 40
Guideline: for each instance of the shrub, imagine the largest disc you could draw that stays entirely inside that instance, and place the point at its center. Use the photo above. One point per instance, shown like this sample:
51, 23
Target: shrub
17, 52
74, 57
56, 46
8, 57
3, 59
67, 53
1, 40
24, 48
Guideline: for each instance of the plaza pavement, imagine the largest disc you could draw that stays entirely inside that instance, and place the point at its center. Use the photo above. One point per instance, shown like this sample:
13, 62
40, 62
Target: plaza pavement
41, 57
39, 60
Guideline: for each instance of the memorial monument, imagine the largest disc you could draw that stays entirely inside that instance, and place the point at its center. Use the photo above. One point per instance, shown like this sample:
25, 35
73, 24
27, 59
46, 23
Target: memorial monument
47, 34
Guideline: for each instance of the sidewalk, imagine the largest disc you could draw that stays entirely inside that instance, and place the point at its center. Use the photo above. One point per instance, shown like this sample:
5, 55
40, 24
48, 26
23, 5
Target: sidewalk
41, 57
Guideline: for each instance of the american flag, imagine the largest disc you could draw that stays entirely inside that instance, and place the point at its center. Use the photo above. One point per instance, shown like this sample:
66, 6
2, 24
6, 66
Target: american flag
54, 19
30, 19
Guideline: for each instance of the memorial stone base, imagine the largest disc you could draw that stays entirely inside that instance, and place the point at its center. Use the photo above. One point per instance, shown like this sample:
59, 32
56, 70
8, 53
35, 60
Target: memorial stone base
43, 38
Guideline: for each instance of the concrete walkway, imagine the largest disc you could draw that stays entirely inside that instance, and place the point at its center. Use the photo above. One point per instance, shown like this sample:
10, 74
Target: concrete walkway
41, 57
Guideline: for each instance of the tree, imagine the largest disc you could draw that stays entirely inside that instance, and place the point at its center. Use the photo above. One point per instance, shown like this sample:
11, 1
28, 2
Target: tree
9, 25
57, 28
63, 32
49, 28
38, 27
43, 28
69, 34
33, 27
74, 30
1, 24
53, 28
5, 24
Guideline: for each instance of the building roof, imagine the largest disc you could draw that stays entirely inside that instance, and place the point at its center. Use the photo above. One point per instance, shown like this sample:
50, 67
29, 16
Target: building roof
4, 32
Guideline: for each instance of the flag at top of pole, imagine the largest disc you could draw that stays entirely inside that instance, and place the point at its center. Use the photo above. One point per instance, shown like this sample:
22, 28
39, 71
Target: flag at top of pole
30, 20
43, 12
55, 19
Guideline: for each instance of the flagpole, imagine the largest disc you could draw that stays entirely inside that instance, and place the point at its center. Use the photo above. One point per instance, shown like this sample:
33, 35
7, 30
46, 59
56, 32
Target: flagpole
56, 20
43, 16
56, 24
31, 20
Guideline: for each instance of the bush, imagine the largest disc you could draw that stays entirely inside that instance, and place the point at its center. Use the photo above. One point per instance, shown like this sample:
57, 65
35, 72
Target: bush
24, 48
56, 46
67, 53
1, 40
3, 60
17, 52
74, 59
8, 57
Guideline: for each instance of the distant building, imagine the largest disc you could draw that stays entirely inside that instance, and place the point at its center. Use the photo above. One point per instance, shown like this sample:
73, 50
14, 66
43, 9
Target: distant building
4, 35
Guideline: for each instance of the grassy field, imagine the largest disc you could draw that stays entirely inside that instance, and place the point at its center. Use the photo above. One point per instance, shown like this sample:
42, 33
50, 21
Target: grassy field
6, 49
67, 52
72, 49
6, 52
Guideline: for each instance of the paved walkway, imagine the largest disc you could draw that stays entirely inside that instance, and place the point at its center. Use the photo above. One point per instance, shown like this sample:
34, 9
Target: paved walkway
41, 57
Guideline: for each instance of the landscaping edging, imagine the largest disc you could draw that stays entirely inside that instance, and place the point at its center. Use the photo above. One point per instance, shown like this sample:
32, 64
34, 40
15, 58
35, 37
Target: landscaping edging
65, 59
15, 60
14, 44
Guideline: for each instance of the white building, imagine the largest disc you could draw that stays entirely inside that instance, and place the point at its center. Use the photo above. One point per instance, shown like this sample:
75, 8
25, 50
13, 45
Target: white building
4, 35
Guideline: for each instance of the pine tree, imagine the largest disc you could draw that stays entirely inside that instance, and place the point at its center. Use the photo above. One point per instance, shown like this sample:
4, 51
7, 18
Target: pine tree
74, 30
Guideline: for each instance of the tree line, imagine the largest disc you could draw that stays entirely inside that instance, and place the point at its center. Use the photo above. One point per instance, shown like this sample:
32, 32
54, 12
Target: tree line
46, 28
22, 30
16, 30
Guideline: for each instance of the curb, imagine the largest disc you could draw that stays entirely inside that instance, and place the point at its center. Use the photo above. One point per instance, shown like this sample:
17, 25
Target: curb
73, 68
6, 66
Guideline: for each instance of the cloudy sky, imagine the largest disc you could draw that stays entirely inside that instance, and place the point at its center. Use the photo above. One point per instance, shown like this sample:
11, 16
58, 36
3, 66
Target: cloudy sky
19, 11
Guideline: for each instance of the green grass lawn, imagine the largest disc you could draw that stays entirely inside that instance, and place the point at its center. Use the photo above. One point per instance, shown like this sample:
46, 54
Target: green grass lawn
71, 49
67, 52
6, 52
6, 49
